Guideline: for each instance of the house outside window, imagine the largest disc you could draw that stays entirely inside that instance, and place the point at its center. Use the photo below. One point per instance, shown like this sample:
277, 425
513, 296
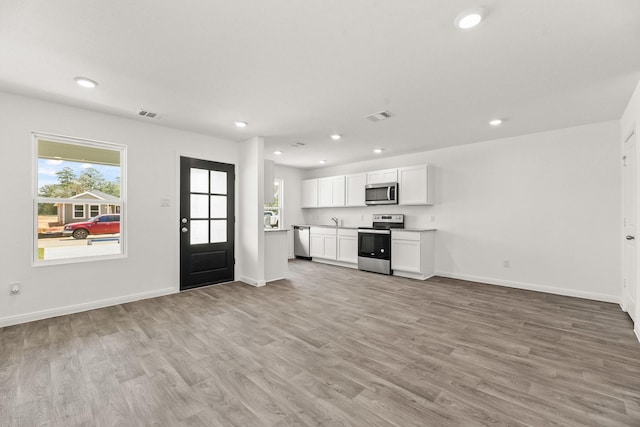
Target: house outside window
77, 183
78, 211
273, 211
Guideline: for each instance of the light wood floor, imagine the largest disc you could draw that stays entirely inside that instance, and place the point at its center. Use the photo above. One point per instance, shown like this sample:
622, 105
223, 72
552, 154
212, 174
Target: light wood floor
331, 347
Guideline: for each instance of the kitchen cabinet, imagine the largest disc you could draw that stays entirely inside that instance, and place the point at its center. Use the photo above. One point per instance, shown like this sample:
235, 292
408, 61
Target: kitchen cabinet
323, 242
310, 193
354, 186
413, 253
331, 191
387, 175
347, 245
415, 185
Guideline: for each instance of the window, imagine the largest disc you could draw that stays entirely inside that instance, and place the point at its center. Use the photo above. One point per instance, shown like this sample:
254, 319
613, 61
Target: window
78, 211
76, 181
273, 211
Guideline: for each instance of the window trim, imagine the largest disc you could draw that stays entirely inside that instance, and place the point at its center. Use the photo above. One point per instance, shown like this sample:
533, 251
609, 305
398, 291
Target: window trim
73, 211
121, 202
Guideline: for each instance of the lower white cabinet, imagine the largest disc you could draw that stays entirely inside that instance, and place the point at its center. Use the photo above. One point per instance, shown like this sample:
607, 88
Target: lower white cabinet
331, 244
323, 242
348, 245
413, 253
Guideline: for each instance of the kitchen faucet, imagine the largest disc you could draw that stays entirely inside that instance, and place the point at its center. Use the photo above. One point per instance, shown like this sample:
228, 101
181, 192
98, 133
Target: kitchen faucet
335, 219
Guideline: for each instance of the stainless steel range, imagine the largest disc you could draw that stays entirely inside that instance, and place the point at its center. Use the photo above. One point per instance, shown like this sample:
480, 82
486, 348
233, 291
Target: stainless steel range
374, 243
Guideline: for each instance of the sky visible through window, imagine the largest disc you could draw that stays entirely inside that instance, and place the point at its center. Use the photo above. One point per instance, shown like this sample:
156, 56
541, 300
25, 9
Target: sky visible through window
47, 169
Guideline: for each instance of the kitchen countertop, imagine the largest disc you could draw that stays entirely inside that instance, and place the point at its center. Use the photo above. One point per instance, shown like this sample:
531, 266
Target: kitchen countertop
365, 226
414, 229
325, 226
271, 230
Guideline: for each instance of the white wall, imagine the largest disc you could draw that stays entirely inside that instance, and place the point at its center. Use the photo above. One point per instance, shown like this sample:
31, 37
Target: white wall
549, 202
152, 266
292, 199
629, 123
250, 217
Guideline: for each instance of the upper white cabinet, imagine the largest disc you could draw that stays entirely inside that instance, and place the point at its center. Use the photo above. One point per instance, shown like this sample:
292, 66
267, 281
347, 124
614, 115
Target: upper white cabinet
310, 193
331, 191
354, 185
415, 185
387, 175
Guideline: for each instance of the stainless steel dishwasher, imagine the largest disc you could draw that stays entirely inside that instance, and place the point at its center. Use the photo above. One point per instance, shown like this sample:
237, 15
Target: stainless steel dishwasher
301, 241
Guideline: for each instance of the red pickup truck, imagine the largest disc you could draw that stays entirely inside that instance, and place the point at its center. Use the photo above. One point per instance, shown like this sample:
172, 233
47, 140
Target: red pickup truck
101, 224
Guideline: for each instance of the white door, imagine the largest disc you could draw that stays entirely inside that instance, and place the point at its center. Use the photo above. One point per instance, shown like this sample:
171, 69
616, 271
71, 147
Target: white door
629, 223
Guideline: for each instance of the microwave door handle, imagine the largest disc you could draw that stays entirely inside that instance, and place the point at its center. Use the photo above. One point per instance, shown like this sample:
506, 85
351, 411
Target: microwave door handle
389, 193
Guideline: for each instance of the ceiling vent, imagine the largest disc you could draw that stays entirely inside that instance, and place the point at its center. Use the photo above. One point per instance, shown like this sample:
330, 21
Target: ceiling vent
378, 117
297, 144
149, 114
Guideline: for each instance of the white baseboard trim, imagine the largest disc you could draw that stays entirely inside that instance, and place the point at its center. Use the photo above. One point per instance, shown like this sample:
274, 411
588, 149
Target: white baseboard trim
252, 282
533, 287
77, 308
636, 329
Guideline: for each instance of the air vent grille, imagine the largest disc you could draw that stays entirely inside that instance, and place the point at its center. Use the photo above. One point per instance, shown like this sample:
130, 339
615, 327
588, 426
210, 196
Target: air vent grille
149, 114
378, 117
297, 144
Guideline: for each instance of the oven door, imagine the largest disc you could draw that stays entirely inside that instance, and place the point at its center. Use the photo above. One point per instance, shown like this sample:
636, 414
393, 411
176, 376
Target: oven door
374, 244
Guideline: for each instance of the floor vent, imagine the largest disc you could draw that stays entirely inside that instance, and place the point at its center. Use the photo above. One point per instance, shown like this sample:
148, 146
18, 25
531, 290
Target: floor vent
378, 117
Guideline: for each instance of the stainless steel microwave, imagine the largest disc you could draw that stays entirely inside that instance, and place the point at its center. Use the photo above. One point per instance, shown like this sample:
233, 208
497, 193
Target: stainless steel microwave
385, 193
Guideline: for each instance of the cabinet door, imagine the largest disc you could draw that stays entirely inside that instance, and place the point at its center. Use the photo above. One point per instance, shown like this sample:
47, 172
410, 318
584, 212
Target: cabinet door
330, 247
405, 255
310, 193
378, 177
316, 243
355, 189
337, 190
348, 249
416, 185
325, 192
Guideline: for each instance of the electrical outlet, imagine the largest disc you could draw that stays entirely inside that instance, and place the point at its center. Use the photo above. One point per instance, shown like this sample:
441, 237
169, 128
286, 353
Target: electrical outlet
433, 218
506, 263
14, 288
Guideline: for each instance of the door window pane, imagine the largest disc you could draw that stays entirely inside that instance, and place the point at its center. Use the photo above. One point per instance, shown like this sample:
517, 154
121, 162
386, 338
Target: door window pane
218, 206
199, 206
218, 182
199, 180
199, 232
219, 231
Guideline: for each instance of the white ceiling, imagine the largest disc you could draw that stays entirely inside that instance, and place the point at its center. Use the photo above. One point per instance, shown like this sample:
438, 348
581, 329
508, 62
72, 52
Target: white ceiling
298, 71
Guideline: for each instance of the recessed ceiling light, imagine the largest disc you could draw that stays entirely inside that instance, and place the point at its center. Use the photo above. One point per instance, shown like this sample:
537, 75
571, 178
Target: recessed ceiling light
469, 19
241, 124
277, 152
336, 136
495, 122
378, 150
322, 162
85, 82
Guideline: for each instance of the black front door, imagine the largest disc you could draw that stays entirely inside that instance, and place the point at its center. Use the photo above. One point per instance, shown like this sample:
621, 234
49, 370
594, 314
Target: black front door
206, 222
